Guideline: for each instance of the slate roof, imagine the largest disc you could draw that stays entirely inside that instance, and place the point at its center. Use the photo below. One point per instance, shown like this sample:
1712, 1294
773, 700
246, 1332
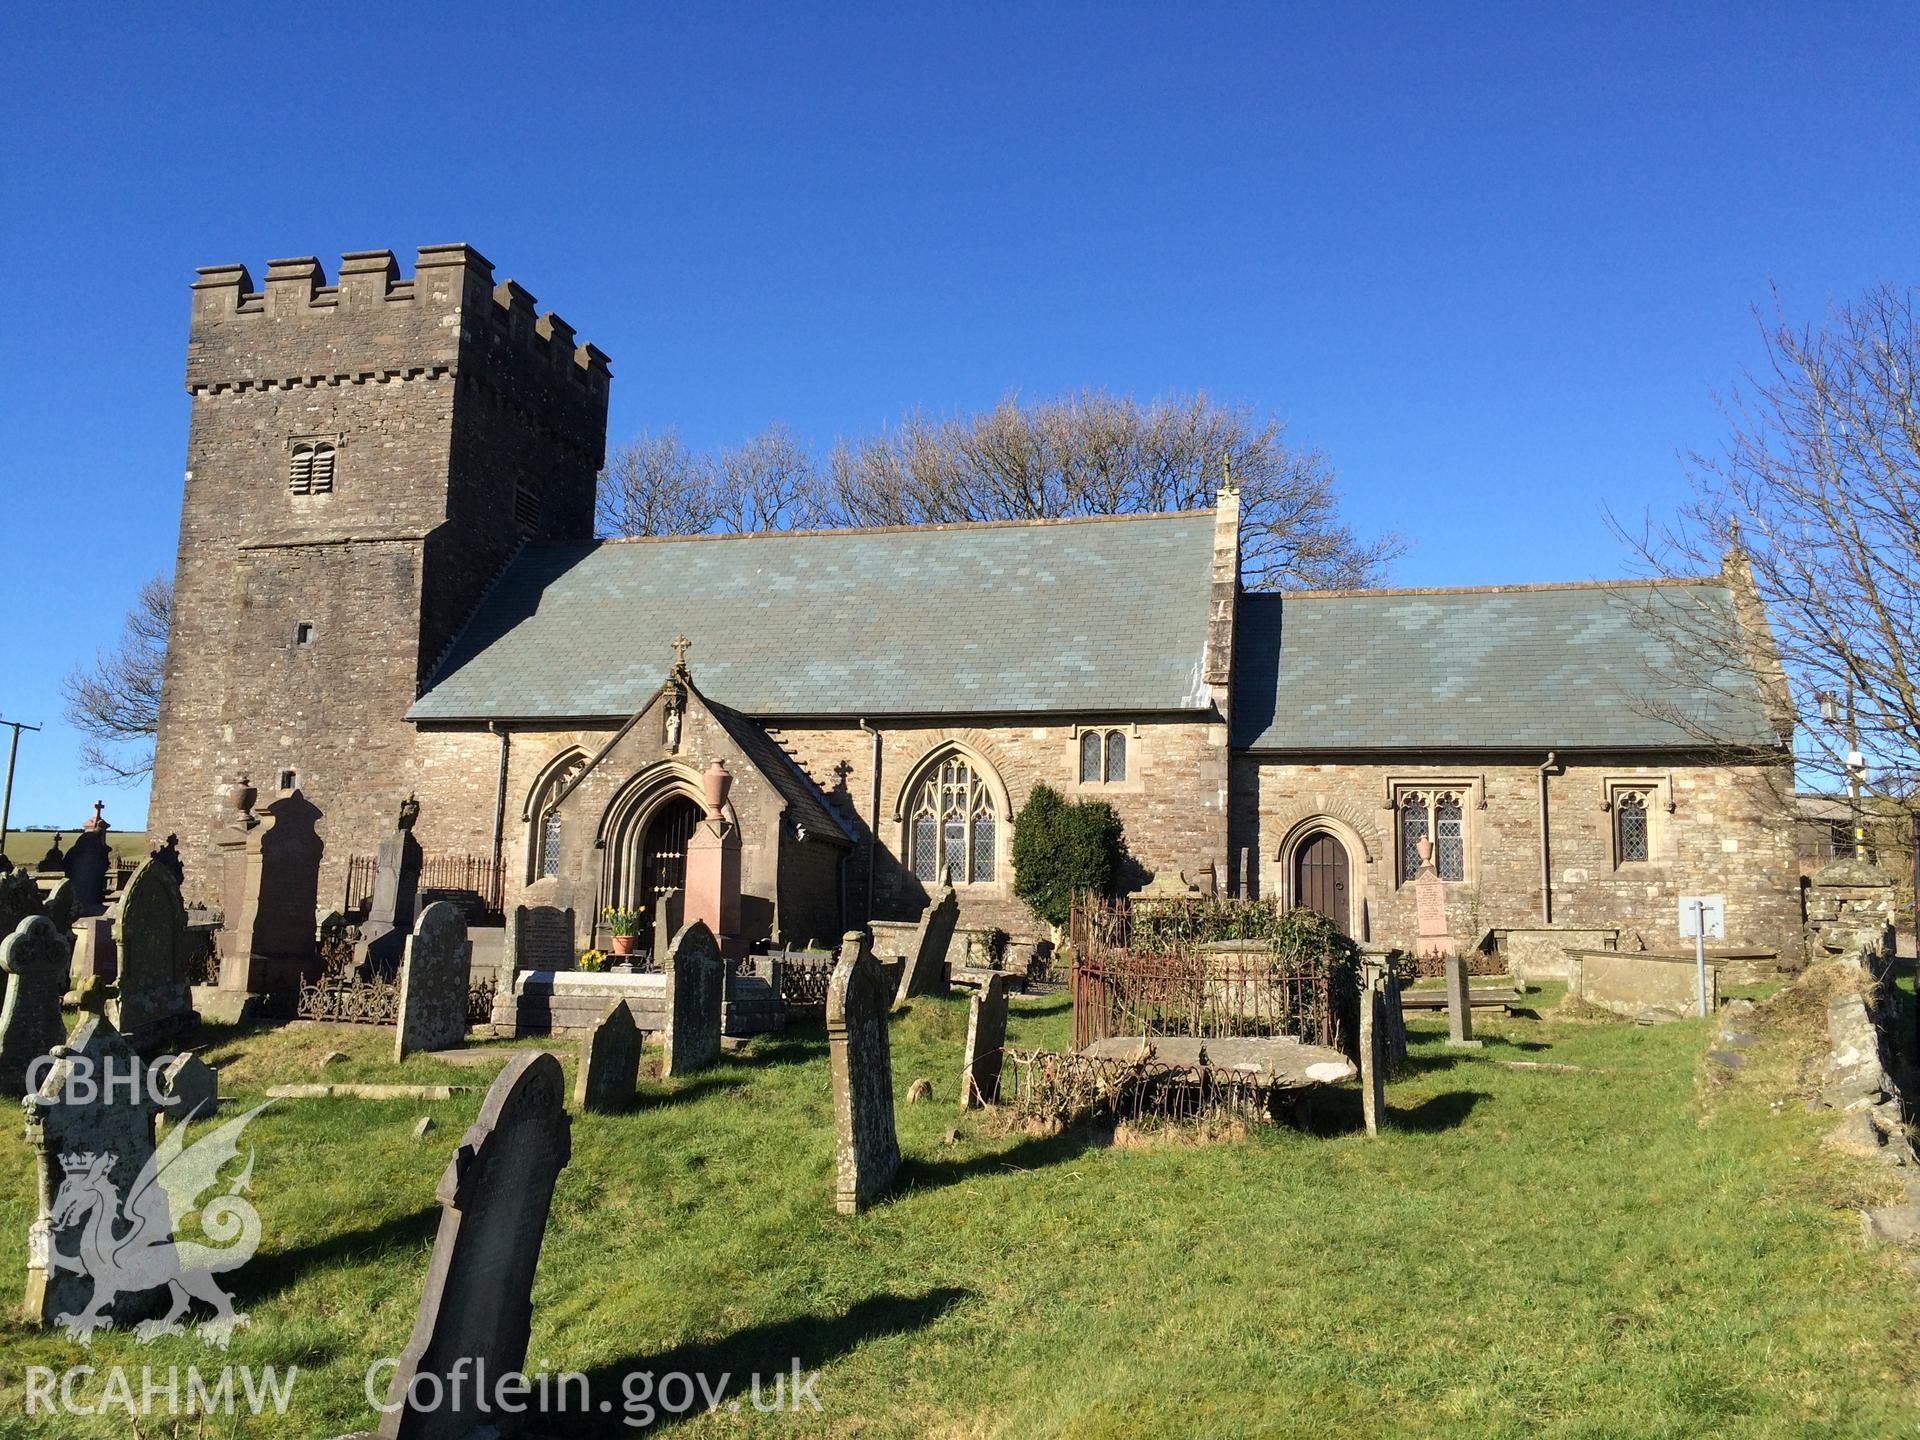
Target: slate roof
1528, 668
1070, 616
806, 802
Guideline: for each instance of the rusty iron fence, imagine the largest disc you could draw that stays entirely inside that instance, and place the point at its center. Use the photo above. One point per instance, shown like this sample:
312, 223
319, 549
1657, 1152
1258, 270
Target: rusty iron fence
348, 992
475, 873
1207, 989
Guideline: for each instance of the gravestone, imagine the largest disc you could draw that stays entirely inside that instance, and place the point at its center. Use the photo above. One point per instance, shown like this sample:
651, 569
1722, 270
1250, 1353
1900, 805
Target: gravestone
609, 1062
34, 958
152, 999
90, 1103
926, 968
986, 1038
713, 865
434, 977
667, 911
396, 884
696, 989
19, 898
477, 1310
187, 1086
86, 865
867, 1151
1373, 1043
1436, 939
270, 885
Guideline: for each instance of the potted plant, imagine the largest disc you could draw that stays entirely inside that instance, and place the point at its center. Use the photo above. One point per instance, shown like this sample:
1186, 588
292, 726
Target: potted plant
622, 925
593, 960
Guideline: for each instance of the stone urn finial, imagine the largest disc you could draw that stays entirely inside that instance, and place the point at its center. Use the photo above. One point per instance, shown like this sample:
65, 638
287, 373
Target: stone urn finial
241, 795
717, 782
1425, 849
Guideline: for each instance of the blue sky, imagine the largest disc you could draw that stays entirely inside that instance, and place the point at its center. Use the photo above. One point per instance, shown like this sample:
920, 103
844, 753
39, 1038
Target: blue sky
1494, 260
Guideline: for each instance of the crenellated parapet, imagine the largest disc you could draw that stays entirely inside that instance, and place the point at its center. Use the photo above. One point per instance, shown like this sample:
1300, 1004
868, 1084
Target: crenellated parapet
449, 317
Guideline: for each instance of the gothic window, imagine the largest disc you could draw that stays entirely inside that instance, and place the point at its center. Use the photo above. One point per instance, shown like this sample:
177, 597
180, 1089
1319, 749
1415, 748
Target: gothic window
1630, 834
549, 846
1449, 838
951, 835
1116, 757
1413, 829
310, 470
1089, 757
543, 850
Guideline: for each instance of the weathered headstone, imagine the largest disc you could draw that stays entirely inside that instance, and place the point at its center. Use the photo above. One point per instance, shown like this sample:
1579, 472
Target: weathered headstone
667, 922
188, 1086
696, 990
1373, 1043
926, 968
1436, 940
477, 1309
867, 1150
34, 958
434, 977
19, 898
152, 999
396, 883
986, 1038
609, 1062
90, 1124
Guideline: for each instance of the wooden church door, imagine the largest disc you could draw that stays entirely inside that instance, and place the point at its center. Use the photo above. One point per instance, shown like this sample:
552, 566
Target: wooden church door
1320, 880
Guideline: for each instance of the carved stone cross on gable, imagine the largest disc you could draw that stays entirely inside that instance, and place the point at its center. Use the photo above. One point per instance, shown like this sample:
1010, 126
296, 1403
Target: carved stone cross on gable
680, 647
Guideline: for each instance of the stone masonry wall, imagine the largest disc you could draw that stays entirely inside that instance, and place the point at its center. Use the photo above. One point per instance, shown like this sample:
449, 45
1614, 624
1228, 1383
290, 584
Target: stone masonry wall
1728, 833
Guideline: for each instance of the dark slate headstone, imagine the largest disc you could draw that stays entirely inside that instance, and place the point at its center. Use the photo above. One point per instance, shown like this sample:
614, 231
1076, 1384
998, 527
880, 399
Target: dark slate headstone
86, 866
926, 967
34, 958
867, 1151
986, 1038
77, 1113
696, 990
667, 908
434, 979
541, 937
154, 998
396, 885
477, 1310
609, 1062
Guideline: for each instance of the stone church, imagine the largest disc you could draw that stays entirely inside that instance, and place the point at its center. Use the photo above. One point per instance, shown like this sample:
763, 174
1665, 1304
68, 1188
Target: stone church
388, 583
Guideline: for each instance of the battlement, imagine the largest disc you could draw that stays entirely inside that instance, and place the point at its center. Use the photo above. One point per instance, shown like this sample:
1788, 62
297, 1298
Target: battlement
374, 323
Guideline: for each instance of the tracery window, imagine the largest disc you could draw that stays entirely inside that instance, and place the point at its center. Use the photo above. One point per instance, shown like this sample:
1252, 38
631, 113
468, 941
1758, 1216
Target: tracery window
1630, 832
951, 833
1439, 816
543, 857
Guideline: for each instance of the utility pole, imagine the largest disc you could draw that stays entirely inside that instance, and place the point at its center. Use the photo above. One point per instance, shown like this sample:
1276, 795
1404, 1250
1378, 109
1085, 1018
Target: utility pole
6, 797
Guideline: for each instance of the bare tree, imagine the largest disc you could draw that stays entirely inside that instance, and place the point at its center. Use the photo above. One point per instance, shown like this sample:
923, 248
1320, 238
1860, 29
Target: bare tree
655, 485
115, 703
1816, 496
1094, 453
769, 483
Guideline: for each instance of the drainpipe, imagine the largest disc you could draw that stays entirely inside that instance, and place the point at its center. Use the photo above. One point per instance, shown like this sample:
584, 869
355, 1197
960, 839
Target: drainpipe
1552, 767
499, 808
873, 814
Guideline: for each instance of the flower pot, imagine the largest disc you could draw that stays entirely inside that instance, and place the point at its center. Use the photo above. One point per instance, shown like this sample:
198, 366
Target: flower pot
623, 944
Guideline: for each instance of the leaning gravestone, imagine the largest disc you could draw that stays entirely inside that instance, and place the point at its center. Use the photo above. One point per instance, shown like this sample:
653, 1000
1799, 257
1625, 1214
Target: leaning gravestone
696, 990
34, 958
986, 1038
609, 1062
154, 999
477, 1310
867, 1151
433, 982
90, 1124
926, 967
187, 1087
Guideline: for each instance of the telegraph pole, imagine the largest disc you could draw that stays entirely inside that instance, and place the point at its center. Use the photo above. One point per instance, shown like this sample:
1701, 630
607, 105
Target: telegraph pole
6, 797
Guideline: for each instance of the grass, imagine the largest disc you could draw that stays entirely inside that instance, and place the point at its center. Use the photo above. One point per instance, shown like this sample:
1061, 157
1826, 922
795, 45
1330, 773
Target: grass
1619, 1250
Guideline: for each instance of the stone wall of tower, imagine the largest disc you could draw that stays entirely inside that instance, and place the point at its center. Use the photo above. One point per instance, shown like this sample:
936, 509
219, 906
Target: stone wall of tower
304, 625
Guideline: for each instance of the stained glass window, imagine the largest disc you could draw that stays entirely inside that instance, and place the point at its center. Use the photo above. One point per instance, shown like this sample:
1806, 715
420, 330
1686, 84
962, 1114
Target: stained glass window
951, 835
1089, 757
1449, 839
1630, 825
1116, 757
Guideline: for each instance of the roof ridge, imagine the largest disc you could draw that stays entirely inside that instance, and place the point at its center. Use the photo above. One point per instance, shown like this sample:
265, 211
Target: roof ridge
1650, 581
931, 527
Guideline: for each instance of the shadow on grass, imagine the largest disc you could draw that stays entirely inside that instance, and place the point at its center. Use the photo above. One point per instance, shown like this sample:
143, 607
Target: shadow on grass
686, 1093
1029, 1154
270, 1272
807, 1342
1337, 1112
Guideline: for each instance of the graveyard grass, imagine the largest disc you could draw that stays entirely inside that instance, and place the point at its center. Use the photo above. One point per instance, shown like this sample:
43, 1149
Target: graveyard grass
1623, 1250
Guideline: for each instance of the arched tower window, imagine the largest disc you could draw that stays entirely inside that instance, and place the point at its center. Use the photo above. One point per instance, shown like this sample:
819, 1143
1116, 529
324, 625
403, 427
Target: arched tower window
952, 834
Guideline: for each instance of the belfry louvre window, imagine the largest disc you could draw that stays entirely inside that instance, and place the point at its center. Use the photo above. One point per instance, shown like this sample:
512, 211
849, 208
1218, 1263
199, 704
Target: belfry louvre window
1630, 826
951, 833
310, 469
526, 508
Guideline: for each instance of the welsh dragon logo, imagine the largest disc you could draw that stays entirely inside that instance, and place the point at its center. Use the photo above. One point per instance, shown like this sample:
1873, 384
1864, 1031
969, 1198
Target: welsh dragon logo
127, 1242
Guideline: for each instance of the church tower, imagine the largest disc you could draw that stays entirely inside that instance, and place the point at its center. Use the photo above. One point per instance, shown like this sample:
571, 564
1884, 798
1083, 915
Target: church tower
363, 459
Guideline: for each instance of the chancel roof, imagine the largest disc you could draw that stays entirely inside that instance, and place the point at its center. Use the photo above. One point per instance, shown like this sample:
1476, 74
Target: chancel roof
1084, 616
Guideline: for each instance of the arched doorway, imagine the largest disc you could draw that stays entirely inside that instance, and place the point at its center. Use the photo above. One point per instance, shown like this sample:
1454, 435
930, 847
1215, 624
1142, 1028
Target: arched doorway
1320, 879
663, 850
